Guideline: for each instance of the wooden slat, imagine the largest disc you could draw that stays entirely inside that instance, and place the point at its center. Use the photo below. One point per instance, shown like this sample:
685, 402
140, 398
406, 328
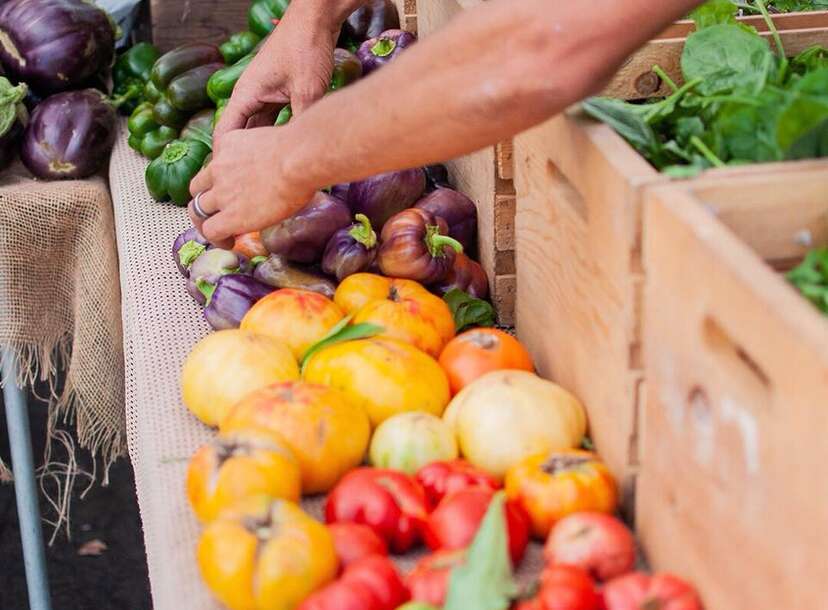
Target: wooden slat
504, 153
737, 375
175, 23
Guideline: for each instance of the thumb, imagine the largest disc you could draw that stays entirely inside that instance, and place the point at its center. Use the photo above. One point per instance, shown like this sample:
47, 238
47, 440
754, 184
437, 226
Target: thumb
236, 114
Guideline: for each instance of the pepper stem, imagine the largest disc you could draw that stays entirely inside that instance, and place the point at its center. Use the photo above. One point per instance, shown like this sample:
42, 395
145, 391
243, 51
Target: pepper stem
363, 233
383, 47
436, 242
175, 151
189, 252
207, 289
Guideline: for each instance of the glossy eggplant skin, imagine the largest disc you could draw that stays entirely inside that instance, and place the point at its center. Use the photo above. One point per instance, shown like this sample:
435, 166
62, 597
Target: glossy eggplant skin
180, 60
375, 52
277, 272
302, 237
466, 275
55, 45
188, 91
233, 296
371, 20
383, 195
351, 250
457, 210
416, 246
69, 135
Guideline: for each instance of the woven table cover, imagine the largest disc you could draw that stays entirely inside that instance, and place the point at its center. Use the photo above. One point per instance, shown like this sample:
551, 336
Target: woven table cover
161, 324
59, 304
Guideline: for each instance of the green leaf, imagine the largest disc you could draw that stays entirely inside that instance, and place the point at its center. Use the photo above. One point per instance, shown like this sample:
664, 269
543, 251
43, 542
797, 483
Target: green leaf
468, 311
485, 581
811, 278
714, 12
11, 104
340, 333
804, 114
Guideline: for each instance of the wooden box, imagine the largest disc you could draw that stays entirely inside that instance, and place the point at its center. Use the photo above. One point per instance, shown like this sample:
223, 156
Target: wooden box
176, 22
732, 492
486, 177
580, 270
636, 79
407, 10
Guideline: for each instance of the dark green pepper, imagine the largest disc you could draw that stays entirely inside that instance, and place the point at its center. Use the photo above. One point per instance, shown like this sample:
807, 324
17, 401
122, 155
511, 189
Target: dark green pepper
238, 45
146, 136
168, 176
130, 75
221, 83
167, 114
151, 92
220, 106
262, 13
188, 91
200, 127
180, 60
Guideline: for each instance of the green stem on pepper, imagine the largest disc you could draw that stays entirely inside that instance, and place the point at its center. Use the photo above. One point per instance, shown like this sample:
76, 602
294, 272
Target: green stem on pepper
383, 47
436, 242
363, 233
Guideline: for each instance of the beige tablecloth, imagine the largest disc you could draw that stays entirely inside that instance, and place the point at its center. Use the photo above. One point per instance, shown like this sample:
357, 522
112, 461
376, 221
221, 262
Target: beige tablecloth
59, 302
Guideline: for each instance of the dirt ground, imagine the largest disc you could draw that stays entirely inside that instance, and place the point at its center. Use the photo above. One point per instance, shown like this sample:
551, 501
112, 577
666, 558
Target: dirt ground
114, 579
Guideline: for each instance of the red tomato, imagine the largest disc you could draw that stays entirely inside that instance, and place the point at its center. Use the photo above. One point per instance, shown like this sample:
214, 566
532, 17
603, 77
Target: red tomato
371, 583
529, 604
599, 543
340, 595
639, 591
442, 478
391, 503
457, 518
353, 541
428, 581
568, 588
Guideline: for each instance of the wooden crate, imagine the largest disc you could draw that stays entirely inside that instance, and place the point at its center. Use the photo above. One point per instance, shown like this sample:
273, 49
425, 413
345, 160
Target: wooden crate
486, 177
732, 492
636, 80
407, 10
175, 23
580, 270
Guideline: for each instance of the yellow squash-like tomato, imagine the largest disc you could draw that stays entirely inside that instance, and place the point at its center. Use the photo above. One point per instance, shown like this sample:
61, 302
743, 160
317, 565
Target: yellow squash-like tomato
404, 309
237, 466
326, 430
551, 486
383, 376
226, 366
268, 556
299, 318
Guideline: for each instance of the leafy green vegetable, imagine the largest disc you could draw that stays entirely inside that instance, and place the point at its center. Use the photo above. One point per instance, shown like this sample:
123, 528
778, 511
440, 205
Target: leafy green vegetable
714, 12
340, 333
811, 278
468, 311
485, 581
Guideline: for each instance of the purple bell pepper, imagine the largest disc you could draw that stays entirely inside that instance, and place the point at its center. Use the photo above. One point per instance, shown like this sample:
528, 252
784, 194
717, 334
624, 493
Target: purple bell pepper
351, 250
209, 267
231, 298
382, 196
457, 210
376, 52
187, 247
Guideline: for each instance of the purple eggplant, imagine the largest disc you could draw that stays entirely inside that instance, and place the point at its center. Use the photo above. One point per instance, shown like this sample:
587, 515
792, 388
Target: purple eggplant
351, 250
378, 51
13, 117
55, 45
382, 196
371, 20
457, 210
69, 135
209, 267
340, 191
277, 272
302, 237
231, 298
187, 247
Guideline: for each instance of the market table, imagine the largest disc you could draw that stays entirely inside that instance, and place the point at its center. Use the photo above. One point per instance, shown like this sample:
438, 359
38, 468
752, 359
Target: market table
161, 324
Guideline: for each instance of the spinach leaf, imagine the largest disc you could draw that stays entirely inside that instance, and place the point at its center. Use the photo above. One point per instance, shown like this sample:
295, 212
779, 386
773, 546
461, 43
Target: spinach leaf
468, 311
714, 12
811, 278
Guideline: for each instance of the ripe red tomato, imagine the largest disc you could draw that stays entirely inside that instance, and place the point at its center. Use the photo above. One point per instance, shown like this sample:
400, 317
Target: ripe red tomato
568, 588
428, 581
354, 541
372, 583
599, 543
457, 518
639, 591
533, 603
442, 478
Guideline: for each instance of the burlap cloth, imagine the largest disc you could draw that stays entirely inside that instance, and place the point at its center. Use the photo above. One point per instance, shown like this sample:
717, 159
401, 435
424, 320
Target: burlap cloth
59, 305
161, 324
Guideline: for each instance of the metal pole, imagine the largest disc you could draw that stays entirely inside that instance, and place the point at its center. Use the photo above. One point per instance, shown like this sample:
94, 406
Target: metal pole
25, 487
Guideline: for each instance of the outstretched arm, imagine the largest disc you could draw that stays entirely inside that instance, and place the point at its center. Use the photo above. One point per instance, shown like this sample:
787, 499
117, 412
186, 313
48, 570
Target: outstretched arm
502, 68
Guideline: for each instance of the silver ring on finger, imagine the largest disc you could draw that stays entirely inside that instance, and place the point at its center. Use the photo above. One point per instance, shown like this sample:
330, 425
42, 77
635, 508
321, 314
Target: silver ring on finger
198, 209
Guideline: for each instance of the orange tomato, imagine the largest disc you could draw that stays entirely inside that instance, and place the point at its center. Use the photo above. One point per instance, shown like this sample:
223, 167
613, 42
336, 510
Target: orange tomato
552, 486
405, 310
479, 351
250, 245
234, 467
298, 318
327, 432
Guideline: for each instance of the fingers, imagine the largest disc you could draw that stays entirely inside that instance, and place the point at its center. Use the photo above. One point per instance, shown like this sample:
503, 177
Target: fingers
202, 183
235, 115
218, 230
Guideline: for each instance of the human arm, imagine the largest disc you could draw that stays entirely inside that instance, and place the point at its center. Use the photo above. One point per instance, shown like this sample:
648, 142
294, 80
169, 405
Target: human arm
504, 67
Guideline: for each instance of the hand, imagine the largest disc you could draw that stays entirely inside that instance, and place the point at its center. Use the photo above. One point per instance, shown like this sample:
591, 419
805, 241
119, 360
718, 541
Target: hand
245, 186
293, 66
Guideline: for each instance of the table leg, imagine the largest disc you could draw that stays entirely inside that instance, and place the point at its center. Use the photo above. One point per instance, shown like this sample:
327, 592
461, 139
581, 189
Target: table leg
25, 486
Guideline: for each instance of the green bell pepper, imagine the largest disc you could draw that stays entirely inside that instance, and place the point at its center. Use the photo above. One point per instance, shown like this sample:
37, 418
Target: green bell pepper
200, 127
168, 176
238, 45
221, 83
151, 92
262, 13
131, 74
180, 60
146, 135
220, 106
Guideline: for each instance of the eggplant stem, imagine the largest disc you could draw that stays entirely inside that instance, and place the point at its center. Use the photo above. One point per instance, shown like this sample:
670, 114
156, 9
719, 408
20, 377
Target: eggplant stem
363, 233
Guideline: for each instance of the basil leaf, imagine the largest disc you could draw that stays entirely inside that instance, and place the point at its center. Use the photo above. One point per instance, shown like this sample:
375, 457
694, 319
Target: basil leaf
468, 311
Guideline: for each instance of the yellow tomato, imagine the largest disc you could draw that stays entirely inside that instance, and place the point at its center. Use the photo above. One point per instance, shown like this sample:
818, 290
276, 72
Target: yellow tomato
327, 431
234, 467
267, 556
383, 376
226, 366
